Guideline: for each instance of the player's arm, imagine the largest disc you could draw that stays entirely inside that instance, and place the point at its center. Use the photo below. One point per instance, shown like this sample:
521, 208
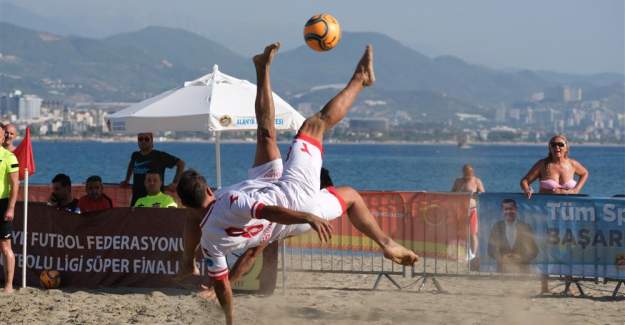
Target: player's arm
217, 269
245, 262
223, 290
286, 216
15, 187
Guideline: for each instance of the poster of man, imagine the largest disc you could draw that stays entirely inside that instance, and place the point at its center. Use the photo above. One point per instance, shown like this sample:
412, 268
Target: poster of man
511, 242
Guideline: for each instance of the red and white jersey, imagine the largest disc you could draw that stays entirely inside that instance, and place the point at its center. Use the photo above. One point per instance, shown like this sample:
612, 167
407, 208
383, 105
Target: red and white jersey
230, 224
232, 221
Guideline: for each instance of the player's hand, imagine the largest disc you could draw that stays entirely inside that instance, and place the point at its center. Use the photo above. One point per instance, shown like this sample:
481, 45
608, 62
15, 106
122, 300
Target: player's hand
8, 216
322, 227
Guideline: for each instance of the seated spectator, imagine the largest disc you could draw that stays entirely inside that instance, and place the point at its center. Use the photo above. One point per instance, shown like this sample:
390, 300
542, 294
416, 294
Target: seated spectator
95, 199
155, 198
61, 196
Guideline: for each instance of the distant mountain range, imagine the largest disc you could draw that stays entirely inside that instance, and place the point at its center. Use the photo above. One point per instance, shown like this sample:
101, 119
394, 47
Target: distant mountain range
133, 66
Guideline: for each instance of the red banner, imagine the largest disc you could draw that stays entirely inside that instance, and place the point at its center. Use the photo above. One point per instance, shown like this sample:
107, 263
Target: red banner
431, 224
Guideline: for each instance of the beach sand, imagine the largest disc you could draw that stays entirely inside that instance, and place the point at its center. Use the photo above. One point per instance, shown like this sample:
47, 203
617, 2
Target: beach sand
324, 299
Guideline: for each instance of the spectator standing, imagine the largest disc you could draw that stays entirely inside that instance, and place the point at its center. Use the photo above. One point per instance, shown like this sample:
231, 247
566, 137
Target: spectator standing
557, 171
556, 175
9, 188
471, 184
155, 198
61, 196
95, 199
146, 159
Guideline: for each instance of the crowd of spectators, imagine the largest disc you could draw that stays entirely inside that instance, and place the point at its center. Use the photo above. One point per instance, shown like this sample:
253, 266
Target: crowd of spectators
146, 168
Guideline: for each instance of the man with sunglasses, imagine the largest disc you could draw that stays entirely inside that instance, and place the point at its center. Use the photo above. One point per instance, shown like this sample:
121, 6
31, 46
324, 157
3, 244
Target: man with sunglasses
146, 159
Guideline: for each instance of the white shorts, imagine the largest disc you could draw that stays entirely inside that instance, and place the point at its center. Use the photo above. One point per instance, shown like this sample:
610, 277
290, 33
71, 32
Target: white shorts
327, 204
300, 180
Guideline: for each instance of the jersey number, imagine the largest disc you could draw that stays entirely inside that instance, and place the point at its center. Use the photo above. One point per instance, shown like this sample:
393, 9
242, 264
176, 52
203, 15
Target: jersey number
247, 232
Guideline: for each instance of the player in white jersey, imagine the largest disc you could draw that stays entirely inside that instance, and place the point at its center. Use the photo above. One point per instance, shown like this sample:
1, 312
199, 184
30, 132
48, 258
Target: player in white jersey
257, 211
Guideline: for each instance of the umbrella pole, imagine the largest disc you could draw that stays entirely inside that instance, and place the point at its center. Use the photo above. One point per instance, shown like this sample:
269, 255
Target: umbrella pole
218, 158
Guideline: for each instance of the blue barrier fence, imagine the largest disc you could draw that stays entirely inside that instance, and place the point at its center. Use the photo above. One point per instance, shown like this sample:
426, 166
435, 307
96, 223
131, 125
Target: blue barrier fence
552, 234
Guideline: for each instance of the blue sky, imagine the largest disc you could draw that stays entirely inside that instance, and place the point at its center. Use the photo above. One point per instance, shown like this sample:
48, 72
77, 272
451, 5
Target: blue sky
578, 36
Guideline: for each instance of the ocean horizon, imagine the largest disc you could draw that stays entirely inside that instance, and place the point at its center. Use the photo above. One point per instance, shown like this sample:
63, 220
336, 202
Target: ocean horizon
364, 166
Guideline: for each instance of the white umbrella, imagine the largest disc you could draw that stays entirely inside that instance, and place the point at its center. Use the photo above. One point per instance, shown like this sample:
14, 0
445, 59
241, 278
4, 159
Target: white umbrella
215, 102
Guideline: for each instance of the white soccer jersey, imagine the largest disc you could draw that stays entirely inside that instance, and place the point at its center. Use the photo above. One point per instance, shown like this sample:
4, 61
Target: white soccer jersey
231, 224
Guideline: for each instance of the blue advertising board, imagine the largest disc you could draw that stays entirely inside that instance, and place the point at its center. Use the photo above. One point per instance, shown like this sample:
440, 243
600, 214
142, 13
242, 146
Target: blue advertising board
553, 234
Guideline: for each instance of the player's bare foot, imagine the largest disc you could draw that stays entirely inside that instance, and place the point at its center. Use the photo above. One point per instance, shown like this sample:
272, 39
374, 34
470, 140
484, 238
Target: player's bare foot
207, 293
188, 281
8, 290
400, 254
364, 70
265, 58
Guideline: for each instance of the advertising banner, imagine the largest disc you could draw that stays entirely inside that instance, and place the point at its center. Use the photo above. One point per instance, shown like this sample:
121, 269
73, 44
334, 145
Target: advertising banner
554, 234
431, 224
117, 247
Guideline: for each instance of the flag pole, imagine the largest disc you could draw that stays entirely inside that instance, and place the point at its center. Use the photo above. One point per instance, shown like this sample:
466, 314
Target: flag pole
25, 232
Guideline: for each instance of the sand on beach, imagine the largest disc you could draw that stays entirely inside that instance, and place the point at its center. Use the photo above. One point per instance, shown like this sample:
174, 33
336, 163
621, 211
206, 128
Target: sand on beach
324, 299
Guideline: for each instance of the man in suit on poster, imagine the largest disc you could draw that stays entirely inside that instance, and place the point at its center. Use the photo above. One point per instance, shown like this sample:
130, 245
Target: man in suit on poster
511, 242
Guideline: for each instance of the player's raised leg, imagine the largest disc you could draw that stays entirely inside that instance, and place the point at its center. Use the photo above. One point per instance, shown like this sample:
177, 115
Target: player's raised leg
266, 147
336, 109
360, 216
300, 178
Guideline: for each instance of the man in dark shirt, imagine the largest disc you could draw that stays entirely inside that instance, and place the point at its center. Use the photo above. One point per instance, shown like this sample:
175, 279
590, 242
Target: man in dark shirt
61, 196
149, 159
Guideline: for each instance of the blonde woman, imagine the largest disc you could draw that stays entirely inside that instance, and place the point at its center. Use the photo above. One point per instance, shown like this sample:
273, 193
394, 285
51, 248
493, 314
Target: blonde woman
556, 174
557, 171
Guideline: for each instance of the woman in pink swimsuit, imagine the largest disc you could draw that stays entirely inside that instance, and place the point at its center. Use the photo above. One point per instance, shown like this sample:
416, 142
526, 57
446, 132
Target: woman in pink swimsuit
556, 175
556, 172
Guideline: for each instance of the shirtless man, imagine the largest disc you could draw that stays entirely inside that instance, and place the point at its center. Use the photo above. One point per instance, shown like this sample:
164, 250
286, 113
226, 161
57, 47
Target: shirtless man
276, 203
472, 184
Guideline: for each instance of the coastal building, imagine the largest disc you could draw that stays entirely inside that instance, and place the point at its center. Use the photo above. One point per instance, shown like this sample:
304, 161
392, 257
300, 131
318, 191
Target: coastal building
29, 107
9, 104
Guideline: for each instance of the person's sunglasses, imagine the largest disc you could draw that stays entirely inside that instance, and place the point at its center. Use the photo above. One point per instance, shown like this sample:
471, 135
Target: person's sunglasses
144, 139
558, 144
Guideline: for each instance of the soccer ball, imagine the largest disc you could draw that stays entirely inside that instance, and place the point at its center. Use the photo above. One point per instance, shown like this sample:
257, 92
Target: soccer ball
50, 279
322, 32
